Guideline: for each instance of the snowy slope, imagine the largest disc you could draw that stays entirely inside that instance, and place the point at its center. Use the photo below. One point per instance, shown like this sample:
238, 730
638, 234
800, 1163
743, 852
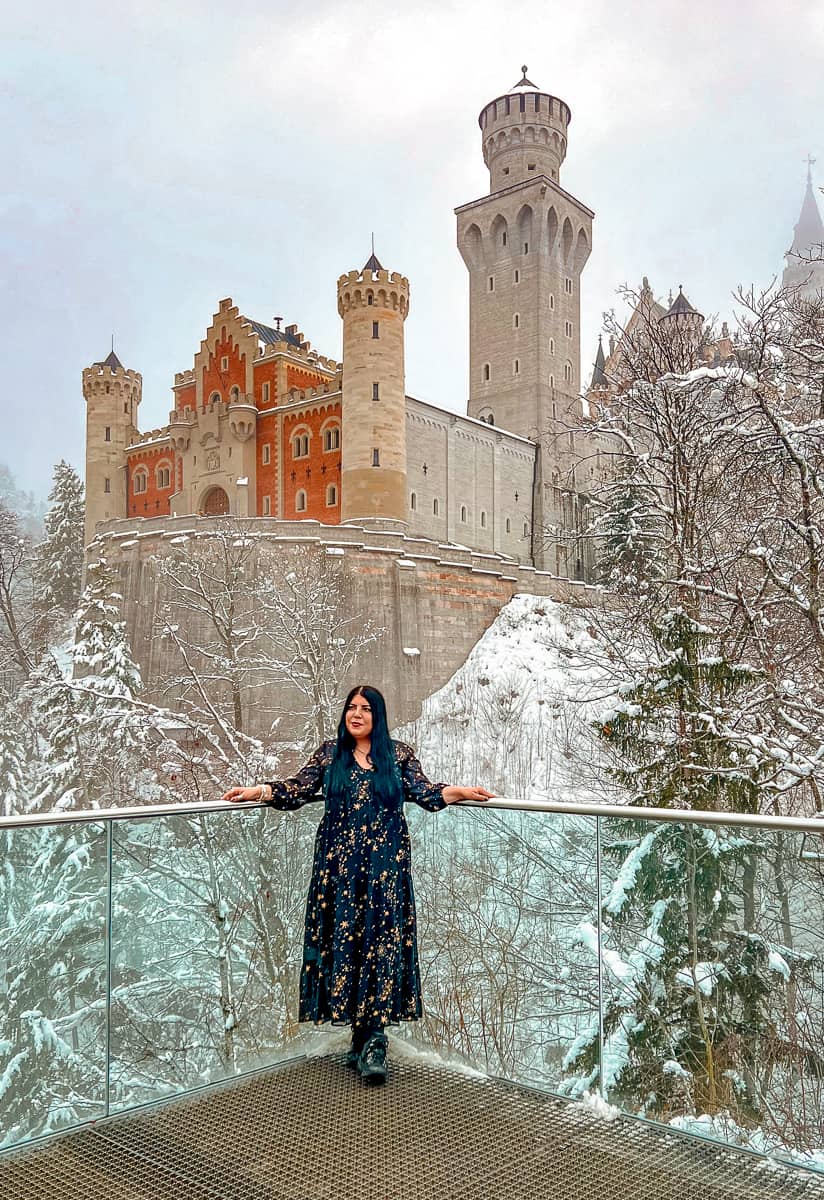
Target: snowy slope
515, 717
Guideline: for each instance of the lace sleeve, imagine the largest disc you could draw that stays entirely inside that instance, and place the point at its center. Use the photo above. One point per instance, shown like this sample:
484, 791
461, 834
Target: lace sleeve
416, 787
307, 785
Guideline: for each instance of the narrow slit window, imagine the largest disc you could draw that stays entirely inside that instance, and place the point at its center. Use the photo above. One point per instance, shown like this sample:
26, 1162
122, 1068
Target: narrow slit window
376, 391
376, 457
375, 325
108, 433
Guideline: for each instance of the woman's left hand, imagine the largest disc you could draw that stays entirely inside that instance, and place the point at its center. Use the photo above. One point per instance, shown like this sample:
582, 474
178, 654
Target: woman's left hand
454, 795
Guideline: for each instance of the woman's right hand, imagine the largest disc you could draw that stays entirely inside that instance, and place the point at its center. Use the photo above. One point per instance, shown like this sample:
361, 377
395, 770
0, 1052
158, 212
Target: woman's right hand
238, 794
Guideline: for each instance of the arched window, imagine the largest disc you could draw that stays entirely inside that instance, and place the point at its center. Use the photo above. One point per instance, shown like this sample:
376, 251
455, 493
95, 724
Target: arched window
435, 508
234, 395
215, 398
300, 445
163, 475
508, 525
140, 481
552, 345
331, 438
331, 495
300, 502
490, 420
526, 529
413, 502
463, 514
567, 372
483, 520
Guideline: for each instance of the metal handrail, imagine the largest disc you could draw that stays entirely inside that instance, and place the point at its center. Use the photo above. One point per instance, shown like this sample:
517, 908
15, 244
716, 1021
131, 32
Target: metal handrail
625, 811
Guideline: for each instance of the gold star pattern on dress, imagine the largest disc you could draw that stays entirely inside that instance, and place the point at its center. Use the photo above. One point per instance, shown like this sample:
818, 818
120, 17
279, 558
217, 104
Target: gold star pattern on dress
361, 910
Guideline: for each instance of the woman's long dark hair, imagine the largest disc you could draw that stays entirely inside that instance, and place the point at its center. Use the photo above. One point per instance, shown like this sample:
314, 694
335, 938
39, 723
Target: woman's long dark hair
387, 784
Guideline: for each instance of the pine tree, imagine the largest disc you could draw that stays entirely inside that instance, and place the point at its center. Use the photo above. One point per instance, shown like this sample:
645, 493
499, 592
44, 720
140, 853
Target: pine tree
688, 1018
59, 562
12, 761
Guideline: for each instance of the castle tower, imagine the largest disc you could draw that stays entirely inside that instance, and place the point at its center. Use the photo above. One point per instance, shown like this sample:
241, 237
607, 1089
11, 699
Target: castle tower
525, 246
373, 304
112, 394
800, 272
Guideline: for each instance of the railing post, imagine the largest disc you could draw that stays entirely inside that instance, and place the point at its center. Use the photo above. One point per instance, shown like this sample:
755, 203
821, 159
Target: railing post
108, 1009
598, 926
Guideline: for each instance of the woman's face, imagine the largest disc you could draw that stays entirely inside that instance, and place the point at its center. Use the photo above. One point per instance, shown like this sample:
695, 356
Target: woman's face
359, 717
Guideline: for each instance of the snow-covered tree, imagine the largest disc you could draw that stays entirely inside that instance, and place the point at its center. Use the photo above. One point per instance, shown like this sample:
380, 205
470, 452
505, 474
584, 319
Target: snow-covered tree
59, 557
16, 624
249, 627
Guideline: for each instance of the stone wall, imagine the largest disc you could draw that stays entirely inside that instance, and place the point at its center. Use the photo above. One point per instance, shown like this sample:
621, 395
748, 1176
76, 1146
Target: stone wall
433, 600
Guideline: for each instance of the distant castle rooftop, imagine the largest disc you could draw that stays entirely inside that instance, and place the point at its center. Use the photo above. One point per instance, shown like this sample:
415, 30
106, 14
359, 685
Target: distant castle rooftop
270, 336
680, 305
809, 232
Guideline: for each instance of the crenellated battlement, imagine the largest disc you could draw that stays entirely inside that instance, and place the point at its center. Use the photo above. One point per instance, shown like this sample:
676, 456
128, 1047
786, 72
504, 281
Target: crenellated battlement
375, 289
98, 377
296, 395
382, 276
144, 439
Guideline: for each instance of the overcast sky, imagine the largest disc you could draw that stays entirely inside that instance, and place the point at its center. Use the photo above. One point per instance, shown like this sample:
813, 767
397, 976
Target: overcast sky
160, 156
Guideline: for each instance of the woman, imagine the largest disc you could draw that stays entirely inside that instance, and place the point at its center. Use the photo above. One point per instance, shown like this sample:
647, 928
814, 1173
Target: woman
360, 956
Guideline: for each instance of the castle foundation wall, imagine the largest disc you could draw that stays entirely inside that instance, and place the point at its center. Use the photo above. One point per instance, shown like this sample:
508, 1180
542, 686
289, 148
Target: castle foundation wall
434, 601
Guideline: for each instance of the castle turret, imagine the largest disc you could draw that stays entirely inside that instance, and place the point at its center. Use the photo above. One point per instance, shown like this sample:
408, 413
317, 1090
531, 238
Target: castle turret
524, 135
373, 304
112, 394
805, 269
525, 246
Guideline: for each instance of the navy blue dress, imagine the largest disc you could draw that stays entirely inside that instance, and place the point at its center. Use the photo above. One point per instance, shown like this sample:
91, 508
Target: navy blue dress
360, 952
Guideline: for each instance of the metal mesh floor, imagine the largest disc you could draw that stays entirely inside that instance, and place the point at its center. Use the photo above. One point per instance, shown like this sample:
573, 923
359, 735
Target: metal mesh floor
310, 1130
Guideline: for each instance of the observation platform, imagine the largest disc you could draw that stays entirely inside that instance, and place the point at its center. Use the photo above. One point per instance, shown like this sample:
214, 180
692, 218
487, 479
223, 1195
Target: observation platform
311, 1130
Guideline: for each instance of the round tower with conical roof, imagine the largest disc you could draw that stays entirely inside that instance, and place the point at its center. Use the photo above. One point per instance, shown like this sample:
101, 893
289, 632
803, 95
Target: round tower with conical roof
112, 393
373, 304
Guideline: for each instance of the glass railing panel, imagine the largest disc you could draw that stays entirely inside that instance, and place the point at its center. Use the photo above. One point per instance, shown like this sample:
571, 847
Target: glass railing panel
53, 895
713, 944
505, 902
206, 947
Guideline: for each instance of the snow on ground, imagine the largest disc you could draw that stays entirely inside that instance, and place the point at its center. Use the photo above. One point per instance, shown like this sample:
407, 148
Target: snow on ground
515, 717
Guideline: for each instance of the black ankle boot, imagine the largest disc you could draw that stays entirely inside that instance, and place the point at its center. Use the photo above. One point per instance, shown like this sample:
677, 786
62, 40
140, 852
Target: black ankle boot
372, 1062
359, 1039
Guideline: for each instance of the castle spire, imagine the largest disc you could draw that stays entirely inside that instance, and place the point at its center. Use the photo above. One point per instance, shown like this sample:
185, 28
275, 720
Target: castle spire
804, 268
372, 263
599, 378
809, 231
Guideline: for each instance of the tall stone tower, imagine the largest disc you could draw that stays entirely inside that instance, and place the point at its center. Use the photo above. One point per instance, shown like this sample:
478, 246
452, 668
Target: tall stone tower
525, 246
805, 268
373, 304
112, 394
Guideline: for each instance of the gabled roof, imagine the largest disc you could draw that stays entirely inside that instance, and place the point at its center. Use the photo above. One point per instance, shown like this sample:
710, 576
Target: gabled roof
809, 232
270, 336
